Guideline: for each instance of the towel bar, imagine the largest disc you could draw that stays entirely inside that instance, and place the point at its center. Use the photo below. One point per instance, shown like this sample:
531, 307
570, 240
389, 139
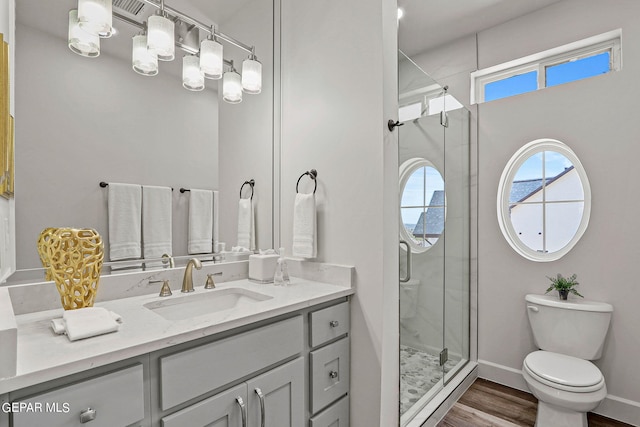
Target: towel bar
251, 183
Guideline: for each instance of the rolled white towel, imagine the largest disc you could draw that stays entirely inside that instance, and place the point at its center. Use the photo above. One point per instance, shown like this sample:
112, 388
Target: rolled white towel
86, 322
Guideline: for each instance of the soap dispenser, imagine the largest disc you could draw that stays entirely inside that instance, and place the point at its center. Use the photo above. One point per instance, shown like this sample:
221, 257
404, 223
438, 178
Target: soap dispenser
281, 278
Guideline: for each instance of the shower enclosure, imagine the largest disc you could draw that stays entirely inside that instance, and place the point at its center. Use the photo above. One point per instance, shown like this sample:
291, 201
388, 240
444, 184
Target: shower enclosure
434, 238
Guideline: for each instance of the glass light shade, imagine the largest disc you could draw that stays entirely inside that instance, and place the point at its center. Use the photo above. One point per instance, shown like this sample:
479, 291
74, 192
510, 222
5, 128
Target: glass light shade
232, 87
80, 41
143, 60
160, 37
211, 61
251, 76
95, 17
192, 76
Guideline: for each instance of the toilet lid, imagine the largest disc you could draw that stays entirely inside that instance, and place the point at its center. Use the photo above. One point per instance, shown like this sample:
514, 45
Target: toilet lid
562, 369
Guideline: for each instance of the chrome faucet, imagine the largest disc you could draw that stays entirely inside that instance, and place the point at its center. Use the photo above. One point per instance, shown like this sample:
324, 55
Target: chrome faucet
187, 281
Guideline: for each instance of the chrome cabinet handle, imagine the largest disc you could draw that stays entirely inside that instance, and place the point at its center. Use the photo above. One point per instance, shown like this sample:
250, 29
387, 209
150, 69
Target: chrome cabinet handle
87, 415
334, 323
333, 375
262, 412
406, 278
243, 410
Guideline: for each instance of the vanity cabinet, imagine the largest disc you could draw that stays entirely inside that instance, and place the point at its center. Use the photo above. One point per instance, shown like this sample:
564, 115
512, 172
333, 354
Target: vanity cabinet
114, 399
276, 397
286, 371
329, 363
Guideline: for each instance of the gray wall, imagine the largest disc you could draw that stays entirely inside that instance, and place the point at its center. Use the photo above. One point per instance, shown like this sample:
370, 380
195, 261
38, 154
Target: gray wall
339, 85
595, 117
84, 120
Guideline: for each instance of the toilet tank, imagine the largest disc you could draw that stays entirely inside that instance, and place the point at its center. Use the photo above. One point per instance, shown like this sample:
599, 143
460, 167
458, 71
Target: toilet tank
575, 328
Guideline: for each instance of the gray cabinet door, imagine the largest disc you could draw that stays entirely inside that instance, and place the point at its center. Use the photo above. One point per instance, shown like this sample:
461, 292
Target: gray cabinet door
277, 397
222, 410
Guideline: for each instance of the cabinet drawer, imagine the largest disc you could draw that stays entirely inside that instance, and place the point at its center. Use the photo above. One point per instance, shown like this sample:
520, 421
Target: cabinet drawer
117, 399
221, 408
329, 374
335, 415
196, 371
329, 323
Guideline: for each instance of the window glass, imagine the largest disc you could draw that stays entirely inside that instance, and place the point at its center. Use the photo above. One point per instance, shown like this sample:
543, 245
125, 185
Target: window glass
422, 204
510, 86
578, 69
543, 200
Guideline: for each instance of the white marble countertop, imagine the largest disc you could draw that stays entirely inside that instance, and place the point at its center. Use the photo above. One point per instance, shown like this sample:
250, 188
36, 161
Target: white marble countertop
43, 355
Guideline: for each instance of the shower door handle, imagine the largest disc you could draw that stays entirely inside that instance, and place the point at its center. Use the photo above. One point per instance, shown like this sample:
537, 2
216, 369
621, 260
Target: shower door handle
407, 277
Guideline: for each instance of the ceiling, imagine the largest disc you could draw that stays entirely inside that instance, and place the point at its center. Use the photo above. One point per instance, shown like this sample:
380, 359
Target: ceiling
430, 23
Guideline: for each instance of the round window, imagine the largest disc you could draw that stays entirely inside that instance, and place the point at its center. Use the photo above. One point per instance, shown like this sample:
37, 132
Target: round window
544, 200
422, 204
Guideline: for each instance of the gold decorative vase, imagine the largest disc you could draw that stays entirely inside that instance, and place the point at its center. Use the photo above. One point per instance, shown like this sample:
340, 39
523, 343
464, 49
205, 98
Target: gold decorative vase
73, 259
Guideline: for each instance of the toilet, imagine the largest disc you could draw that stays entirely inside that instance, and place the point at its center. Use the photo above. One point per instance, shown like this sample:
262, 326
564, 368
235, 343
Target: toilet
560, 375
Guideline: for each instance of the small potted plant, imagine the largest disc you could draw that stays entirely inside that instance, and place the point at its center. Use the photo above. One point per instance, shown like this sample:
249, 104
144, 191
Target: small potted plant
563, 285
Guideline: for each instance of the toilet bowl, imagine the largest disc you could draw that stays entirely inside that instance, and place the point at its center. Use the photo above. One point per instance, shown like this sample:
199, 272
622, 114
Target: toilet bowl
560, 375
565, 386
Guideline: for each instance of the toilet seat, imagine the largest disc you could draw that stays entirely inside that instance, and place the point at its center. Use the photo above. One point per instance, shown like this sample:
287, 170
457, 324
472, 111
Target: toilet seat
563, 372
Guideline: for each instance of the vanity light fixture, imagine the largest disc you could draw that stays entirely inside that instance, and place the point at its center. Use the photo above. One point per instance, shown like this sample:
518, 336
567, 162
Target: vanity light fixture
211, 59
252, 75
80, 41
157, 41
232, 86
95, 17
192, 75
143, 60
160, 35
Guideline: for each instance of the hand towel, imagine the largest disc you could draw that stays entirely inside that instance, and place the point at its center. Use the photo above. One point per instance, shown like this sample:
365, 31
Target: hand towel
86, 322
246, 225
125, 221
304, 226
200, 222
156, 222
216, 221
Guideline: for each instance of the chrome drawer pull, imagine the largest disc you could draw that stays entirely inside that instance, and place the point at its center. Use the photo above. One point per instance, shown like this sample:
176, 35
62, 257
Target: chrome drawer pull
333, 374
334, 323
243, 410
87, 415
262, 414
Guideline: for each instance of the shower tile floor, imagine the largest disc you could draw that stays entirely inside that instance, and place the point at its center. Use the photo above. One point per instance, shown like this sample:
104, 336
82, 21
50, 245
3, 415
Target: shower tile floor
419, 371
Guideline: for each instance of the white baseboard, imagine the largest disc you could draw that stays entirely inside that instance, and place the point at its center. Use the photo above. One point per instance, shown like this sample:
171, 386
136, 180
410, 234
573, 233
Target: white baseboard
613, 407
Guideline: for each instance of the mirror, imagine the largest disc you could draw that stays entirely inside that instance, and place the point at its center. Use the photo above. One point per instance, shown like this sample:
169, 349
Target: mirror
83, 120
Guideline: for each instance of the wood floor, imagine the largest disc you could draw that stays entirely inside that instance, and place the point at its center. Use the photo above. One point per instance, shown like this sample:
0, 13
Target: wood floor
487, 404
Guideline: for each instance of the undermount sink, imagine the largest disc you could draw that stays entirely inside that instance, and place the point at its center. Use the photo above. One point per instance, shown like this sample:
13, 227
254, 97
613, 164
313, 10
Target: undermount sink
207, 302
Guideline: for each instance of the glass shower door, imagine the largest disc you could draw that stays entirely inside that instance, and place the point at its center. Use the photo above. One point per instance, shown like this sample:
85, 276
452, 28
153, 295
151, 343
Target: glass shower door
434, 237
423, 208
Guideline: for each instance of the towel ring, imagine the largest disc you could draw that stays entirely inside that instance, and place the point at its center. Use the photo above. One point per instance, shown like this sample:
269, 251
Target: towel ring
312, 174
251, 184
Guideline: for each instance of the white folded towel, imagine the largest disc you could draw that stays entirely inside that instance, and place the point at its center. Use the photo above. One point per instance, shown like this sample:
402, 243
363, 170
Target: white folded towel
156, 221
304, 226
86, 322
216, 220
246, 225
200, 222
125, 221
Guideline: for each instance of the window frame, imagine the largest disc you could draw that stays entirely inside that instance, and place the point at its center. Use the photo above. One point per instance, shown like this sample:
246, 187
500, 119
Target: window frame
504, 203
606, 42
406, 171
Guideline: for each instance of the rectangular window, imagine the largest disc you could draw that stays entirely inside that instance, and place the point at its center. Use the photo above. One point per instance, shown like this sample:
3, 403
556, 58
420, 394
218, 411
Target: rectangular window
510, 86
577, 69
585, 58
